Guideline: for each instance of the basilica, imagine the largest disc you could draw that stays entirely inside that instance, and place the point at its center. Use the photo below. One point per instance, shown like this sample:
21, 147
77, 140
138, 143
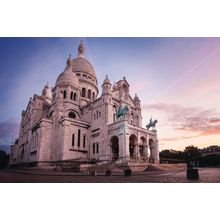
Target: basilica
72, 122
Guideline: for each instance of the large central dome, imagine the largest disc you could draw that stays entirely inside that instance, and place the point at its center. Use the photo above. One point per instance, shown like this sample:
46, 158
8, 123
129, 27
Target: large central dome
82, 65
80, 74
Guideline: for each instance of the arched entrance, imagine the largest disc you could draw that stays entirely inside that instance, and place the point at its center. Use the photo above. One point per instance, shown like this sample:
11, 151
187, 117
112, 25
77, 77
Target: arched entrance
115, 147
132, 145
151, 146
142, 146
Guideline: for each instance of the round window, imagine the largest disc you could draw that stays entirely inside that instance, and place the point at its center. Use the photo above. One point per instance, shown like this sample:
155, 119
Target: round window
72, 115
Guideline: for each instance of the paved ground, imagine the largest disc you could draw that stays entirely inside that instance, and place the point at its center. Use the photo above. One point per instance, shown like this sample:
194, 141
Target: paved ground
207, 175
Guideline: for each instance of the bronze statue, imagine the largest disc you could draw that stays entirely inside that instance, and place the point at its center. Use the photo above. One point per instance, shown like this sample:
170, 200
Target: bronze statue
152, 124
121, 111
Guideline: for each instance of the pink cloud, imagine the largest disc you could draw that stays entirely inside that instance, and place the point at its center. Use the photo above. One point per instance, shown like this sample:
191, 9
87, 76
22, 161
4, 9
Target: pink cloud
190, 119
178, 138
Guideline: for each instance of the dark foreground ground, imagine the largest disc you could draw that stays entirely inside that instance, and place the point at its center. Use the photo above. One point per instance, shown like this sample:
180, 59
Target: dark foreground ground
207, 175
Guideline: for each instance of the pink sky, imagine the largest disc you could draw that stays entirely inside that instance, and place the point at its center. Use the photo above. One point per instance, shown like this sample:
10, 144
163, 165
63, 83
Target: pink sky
177, 79
188, 107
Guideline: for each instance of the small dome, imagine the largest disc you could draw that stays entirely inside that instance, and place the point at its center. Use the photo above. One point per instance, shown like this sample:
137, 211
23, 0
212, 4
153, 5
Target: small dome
106, 81
46, 93
136, 98
68, 76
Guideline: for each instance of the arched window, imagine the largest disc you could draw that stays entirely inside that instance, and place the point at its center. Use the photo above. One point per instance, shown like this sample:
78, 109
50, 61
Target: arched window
79, 137
89, 94
97, 114
93, 95
97, 148
74, 97
83, 92
114, 113
71, 95
64, 94
73, 139
84, 141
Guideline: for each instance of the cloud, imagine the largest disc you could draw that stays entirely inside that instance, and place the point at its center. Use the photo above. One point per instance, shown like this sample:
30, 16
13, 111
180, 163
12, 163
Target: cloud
214, 120
9, 130
191, 119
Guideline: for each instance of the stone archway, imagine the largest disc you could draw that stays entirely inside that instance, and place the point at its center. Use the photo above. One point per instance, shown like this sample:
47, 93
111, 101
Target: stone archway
132, 146
114, 143
151, 146
142, 147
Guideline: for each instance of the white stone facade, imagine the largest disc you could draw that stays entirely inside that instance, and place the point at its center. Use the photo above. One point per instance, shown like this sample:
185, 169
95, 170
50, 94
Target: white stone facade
70, 122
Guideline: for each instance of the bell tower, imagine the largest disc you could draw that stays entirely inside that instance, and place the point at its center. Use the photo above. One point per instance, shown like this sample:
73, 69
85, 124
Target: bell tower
107, 99
138, 117
46, 93
106, 86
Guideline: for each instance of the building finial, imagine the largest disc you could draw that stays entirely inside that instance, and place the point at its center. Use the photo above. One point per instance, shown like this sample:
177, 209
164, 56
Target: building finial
69, 60
81, 49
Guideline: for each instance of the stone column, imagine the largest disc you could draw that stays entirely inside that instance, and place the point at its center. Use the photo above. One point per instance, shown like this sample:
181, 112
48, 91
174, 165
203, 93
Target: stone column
156, 148
146, 153
156, 152
151, 153
137, 154
68, 91
123, 141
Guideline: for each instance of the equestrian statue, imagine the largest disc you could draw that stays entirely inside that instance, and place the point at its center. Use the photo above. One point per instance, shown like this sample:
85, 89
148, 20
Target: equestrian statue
121, 111
152, 124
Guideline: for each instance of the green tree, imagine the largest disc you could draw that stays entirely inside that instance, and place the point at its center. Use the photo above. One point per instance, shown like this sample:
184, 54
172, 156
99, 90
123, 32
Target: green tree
4, 159
191, 153
171, 156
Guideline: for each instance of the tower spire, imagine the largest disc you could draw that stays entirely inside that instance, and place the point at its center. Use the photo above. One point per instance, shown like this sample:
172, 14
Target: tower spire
69, 60
81, 49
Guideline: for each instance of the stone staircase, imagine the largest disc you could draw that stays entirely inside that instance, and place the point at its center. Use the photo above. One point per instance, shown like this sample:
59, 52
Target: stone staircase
116, 167
100, 166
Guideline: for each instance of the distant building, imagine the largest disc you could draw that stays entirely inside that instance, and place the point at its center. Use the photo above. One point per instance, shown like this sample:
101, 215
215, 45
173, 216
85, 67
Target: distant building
70, 122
